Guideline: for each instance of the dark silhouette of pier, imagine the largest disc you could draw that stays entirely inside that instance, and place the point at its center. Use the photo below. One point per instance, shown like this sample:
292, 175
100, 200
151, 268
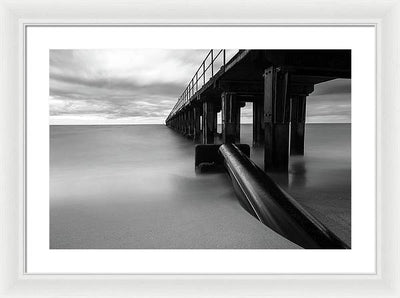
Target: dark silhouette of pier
277, 82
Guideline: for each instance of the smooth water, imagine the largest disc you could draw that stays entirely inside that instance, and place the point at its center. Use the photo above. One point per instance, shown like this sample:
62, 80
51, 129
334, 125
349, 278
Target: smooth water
135, 187
321, 179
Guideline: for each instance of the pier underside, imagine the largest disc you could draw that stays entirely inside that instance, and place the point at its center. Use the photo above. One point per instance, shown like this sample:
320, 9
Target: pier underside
277, 82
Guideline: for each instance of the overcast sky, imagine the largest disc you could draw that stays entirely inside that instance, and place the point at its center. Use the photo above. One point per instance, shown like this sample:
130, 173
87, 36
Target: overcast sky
142, 86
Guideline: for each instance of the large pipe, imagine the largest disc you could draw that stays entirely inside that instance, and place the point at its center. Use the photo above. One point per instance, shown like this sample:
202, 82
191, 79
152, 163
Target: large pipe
273, 206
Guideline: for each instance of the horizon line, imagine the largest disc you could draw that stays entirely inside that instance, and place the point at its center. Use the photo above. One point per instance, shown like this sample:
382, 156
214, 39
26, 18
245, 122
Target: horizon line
92, 124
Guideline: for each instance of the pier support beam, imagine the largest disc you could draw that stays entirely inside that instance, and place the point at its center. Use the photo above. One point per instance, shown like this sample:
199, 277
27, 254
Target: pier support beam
258, 121
190, 123
184, 124
298, 119
237, 130
196, 123
215, 115
276, 120
230, 118
208, 122
187, 132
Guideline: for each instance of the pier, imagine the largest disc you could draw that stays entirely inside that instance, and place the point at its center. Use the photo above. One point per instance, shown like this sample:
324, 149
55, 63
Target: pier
277, 82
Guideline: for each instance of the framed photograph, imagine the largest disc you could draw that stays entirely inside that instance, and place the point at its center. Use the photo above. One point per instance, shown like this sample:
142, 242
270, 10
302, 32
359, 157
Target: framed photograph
200, 157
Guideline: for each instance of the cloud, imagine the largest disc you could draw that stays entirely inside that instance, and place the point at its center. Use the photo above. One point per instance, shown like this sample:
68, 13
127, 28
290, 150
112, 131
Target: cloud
118, 84
141, 67
142, 86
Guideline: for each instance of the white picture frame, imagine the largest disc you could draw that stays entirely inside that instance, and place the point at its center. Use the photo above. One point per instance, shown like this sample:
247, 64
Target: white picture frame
15, 14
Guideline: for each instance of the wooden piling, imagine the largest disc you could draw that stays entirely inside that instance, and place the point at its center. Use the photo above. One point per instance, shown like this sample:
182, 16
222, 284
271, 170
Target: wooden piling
298, 118
258, 121
237, 129
208, 122
276, 119
183, 122
196, 123
188, 132
215, 122
230, 113
190, 123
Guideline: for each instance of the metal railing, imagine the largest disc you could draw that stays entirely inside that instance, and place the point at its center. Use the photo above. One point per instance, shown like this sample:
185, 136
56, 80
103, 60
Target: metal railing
213, 60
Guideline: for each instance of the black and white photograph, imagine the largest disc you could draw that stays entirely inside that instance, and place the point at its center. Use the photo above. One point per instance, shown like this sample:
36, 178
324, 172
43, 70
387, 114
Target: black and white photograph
200, 148
187, 149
